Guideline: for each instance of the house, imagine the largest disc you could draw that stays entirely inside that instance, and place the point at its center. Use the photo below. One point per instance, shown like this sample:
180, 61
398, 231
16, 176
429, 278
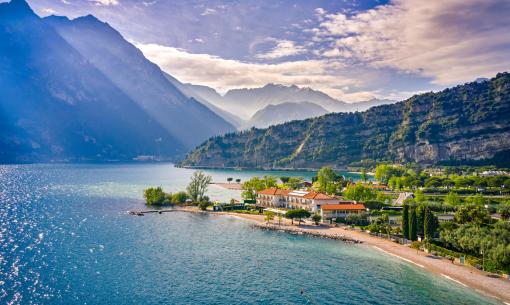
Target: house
294, 199
330, 212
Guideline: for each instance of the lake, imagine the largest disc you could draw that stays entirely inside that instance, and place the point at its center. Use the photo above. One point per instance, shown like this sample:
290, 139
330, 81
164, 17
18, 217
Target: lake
65, 238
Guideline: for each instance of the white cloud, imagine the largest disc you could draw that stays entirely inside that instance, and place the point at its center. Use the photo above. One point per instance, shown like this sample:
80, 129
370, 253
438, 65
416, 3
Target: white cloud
450, 41
225, 74
209, 11
282, 48
106, 2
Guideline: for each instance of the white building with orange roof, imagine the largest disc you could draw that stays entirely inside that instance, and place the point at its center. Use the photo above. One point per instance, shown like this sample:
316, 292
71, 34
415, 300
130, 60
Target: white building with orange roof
294, 199
330, 212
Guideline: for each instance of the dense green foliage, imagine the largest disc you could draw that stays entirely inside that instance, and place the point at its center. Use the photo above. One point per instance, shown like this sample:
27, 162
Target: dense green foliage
256, 184
473, 118
405, 221
297, 214
413, 225
156, 196
492, 242
359, 192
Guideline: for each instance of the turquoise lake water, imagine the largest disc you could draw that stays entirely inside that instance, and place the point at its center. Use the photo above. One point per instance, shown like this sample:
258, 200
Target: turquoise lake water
65, 238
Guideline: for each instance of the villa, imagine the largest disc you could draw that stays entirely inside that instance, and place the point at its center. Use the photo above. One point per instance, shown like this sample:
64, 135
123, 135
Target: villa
294, 199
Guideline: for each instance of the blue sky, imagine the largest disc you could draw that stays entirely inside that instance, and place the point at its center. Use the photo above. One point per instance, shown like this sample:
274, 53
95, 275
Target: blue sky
352, 50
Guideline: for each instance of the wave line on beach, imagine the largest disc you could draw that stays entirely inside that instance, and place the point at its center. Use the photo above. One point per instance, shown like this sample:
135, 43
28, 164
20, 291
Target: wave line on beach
451, 279
402, 258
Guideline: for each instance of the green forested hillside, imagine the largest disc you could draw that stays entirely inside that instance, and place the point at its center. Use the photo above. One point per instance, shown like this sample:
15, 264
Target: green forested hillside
467, 124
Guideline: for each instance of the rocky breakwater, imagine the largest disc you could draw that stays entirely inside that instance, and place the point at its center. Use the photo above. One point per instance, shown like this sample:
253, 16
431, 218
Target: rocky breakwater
317, 231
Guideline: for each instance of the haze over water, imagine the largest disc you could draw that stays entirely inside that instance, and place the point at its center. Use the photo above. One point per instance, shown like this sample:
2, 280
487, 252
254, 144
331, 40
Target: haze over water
65, 238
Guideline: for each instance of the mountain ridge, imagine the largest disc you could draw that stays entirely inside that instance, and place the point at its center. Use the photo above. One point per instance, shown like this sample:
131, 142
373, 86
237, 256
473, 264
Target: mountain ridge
465, 124
58, 105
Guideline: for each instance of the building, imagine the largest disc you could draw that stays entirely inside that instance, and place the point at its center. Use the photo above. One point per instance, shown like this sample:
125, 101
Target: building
330, 212
294, 199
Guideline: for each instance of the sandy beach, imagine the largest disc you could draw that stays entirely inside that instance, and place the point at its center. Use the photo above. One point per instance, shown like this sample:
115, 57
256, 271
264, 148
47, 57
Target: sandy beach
483, 282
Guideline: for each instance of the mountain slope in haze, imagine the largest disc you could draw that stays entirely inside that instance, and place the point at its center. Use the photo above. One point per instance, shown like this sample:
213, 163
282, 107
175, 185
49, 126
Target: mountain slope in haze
57, 104
467, 124
204, 95
245, 102
285, 112
183, 117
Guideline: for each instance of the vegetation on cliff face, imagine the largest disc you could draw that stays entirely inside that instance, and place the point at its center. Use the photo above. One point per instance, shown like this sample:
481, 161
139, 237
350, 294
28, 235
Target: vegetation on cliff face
467, 124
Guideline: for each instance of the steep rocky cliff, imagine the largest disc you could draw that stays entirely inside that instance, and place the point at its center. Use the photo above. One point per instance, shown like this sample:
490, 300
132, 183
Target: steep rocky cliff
465, 124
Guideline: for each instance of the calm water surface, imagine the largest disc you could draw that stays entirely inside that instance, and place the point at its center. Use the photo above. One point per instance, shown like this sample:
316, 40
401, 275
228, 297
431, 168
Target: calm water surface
65, 238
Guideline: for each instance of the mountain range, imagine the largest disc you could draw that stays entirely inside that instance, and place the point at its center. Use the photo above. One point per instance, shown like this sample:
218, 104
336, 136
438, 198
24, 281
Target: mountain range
467, 124
260, 107
285, 112
76, 90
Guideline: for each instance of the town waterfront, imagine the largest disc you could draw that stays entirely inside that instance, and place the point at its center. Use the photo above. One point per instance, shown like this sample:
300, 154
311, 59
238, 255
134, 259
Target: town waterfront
66, 239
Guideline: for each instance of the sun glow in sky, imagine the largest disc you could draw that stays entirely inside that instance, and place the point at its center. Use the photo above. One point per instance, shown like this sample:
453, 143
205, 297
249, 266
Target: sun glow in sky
352, 50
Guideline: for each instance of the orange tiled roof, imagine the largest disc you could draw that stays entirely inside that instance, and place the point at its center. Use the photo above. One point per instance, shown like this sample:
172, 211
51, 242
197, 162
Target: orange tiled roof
269, 191
310, 195
274, 191
343, 206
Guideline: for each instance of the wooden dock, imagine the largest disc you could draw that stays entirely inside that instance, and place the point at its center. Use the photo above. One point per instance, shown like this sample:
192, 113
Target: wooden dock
141, 213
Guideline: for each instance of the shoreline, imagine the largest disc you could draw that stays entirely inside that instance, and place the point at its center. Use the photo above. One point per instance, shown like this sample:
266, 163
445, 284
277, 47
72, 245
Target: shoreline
485, 283
482, 282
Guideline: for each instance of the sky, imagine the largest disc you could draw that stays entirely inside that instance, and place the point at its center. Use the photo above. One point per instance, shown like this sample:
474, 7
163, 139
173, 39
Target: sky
353, 50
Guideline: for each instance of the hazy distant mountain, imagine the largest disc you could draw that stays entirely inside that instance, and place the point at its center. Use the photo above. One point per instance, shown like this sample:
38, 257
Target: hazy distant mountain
206, 96
276, 114
76, 90
245, 102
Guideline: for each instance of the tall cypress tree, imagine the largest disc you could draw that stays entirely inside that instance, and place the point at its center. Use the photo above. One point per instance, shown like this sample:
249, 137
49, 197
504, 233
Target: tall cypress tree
430, 224
413, 226
405, 221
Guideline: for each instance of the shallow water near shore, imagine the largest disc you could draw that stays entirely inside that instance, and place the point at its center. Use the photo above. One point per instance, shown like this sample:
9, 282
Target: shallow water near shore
65, 238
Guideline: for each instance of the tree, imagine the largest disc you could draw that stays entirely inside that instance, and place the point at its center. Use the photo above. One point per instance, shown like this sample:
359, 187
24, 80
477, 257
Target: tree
256, 184
364, 176
229, 179
284, 179
413, 225
280, 216
405, 221
203, 204
430, 224
474, 214
179, 197
504, 211
297, 214
478, 199
198, 186
359, 192
156, 196
294, 182
269, 215
452, 199
326, 178
316, 218
419, 197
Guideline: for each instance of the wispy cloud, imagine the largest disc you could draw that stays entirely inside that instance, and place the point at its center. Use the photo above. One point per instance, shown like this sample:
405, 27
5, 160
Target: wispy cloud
450, 41
209, 11
106, 2
282, 48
